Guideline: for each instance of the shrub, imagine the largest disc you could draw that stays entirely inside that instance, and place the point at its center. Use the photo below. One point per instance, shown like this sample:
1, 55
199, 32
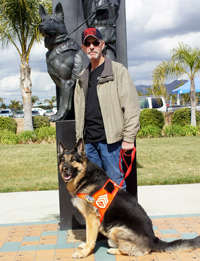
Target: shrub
149, 132
40, 121
8, 137
152, 117
190, 130
177, 130
183, 116
173, 131
7, 123
26, 137
46, 133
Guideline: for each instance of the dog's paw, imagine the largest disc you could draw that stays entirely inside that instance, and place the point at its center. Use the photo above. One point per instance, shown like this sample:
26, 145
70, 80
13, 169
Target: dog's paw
56, 117
78, 255
81, 246
113, 251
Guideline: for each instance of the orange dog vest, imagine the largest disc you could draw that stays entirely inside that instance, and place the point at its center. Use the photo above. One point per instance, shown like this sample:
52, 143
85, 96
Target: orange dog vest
101, 199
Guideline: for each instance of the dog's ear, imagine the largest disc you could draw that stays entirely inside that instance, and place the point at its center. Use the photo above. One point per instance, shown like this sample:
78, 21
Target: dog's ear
59, 12
60, 148
80, 147
42, 11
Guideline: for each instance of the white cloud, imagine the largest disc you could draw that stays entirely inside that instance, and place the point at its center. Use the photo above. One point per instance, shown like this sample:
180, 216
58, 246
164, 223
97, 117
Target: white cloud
154, 28
158, 22
42, 86
145, 75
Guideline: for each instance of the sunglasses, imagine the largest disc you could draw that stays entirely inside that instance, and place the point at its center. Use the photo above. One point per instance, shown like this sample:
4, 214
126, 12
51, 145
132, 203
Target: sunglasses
95, 43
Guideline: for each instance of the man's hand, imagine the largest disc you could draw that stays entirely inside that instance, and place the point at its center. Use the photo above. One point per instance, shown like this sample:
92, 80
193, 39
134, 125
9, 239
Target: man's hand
127, 146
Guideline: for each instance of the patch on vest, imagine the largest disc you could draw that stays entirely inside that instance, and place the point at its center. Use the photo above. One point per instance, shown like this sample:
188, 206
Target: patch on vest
102, 201
89, 199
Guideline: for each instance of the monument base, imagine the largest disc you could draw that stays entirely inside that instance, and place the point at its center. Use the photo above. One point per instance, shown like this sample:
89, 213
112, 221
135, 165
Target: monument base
70, 218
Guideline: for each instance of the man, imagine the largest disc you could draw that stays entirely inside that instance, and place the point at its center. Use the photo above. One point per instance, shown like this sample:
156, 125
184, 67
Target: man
107, 107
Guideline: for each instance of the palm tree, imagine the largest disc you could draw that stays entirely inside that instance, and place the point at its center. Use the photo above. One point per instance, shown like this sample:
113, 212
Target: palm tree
2, 103
34, 99
198, 97
184, 60
16, 105
19, 27
140, 93
173, 98
149, 91
50, 102
185, 97
1, 100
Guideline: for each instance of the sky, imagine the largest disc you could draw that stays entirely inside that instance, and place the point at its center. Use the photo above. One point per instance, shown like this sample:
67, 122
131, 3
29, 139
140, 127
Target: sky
154, 28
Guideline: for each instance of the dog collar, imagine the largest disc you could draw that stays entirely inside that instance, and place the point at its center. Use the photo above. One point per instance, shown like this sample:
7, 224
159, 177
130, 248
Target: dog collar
101, 199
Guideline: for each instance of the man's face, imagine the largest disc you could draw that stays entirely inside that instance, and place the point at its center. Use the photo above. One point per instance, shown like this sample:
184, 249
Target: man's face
93, 47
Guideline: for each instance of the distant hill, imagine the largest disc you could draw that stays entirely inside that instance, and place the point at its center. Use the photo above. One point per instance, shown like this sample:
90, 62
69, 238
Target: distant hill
171, 86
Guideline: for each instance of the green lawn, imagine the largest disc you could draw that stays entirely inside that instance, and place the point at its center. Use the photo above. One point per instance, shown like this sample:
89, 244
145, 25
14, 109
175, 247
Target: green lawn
159, 161
28, 167
168, 160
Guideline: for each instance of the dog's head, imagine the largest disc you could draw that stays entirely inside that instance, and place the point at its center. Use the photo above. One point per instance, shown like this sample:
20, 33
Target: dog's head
52, 25
71, 162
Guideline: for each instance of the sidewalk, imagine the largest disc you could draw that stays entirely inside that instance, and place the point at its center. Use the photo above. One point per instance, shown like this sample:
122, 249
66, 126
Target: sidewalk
34, 206
29, 228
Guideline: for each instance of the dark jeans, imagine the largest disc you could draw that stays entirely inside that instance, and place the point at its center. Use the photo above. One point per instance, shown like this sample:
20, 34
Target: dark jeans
107, 157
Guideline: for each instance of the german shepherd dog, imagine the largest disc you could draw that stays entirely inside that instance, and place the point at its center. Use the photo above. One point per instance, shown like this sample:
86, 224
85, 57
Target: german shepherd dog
125, 223
65, 59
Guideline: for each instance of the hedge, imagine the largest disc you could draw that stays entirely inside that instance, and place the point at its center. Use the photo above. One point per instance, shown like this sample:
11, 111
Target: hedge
152, 117
7, 123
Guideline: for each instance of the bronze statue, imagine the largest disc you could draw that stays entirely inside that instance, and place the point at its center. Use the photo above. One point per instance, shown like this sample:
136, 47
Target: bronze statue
105, 20
65, 59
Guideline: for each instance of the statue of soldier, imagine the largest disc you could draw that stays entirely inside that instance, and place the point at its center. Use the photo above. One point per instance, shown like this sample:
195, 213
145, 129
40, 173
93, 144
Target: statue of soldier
105, 20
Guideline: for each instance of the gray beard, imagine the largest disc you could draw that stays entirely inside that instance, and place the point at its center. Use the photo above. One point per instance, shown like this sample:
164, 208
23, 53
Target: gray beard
89, 57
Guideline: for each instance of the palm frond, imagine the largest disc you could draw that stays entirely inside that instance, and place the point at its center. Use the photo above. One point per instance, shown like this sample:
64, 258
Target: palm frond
187, 57
19, 21
161, 72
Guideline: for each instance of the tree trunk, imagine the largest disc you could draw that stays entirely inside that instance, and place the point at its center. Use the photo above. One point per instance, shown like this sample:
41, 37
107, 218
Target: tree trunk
193, 102
26, 90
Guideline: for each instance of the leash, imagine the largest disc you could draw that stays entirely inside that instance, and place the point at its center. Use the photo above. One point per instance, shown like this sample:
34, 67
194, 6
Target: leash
129, 168
103, 6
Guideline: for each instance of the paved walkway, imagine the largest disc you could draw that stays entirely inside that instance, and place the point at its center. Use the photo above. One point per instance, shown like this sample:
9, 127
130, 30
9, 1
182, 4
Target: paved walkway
29, 229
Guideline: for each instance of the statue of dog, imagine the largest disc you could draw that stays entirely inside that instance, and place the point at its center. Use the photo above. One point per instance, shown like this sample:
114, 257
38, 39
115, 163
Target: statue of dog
65, 59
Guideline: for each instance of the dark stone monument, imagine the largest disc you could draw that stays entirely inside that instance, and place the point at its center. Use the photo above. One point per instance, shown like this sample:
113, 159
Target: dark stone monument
74, 16
65, 129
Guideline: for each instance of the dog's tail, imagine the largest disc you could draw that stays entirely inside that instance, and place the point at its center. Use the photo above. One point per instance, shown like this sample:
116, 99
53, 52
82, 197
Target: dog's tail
177, 245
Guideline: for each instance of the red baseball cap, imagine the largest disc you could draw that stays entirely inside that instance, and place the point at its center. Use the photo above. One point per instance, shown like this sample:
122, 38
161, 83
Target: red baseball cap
91, 32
